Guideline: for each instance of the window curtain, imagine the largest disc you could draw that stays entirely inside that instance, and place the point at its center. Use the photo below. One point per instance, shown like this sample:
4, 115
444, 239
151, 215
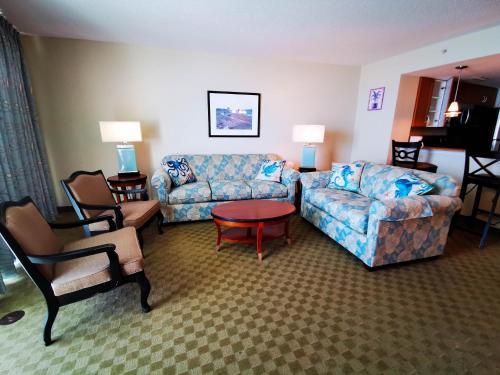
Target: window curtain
24, 169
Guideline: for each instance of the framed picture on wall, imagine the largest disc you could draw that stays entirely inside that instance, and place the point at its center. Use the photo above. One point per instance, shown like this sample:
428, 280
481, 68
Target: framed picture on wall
376, 99
233, 114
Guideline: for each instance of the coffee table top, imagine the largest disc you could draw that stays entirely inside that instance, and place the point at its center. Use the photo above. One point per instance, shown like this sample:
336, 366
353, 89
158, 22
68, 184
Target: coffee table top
253, 210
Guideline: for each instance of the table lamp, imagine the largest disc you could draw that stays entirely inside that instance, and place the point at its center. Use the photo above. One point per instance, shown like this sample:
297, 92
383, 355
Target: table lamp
308, 134
122, 132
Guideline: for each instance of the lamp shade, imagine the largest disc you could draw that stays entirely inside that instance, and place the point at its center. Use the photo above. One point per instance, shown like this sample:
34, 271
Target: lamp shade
309, 133
453, 110
120, 131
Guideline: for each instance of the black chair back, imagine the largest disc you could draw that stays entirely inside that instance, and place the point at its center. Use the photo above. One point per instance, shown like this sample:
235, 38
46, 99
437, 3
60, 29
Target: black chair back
406, 152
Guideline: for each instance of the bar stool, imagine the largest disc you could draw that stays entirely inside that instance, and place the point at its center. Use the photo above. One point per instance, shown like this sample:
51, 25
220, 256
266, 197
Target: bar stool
481, 177
405, 154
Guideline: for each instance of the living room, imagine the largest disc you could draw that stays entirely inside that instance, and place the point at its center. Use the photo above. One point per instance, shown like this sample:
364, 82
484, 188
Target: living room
307, 304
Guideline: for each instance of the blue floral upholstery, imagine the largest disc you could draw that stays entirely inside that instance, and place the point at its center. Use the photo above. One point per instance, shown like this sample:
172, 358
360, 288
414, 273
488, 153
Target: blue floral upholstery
397, 229
347, 207
230, 190
267, 189
194, 192
192, 204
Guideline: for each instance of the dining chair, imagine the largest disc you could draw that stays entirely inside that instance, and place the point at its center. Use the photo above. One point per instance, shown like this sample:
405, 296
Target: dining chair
405, 154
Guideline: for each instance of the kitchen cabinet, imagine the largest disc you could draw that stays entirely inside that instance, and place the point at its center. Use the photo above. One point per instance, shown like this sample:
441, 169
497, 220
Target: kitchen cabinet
429, 104
473, 94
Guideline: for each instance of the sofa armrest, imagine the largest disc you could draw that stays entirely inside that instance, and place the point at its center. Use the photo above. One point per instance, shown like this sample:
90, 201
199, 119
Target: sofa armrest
162, 183
415, 207
289, 176
315, 180
398, 209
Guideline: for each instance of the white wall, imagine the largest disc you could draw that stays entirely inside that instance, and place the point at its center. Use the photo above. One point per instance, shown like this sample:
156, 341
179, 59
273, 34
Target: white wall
77, 83
372, 134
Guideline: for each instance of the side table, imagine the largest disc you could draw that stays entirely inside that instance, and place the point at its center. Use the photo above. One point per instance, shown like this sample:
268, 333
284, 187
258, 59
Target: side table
298, 196
131, 182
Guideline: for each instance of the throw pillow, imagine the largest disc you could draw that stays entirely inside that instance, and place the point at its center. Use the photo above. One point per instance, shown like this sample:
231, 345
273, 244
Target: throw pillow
180, 172
407, 185
346, 176
270, 170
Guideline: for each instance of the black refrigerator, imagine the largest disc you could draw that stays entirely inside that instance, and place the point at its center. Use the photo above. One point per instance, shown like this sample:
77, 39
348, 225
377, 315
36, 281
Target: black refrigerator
475, 128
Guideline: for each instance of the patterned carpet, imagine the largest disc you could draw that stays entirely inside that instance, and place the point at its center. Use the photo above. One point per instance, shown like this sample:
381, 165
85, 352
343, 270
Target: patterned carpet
310, 308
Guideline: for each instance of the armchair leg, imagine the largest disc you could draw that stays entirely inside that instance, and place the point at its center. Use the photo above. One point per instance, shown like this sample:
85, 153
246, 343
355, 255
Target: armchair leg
159, 222
52, 310
145, 286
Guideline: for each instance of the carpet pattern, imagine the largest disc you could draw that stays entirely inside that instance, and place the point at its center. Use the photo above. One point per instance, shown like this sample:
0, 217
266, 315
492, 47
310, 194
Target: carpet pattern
310, 308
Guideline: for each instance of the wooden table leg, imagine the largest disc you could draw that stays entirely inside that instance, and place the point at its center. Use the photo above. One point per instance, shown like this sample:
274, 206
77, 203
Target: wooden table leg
219, 236
287, 232
260, 230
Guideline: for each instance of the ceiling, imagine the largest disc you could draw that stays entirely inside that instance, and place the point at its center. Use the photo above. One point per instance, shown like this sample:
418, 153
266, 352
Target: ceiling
334, 31
482, 71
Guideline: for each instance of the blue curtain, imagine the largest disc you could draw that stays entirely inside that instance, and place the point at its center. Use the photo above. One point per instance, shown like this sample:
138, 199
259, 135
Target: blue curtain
24, 169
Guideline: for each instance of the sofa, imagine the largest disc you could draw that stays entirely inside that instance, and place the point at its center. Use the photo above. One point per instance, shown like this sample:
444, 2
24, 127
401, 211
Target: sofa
385, 231
219, 178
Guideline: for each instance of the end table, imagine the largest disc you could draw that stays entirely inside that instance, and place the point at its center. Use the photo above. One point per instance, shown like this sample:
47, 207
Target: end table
131, 182
298, 196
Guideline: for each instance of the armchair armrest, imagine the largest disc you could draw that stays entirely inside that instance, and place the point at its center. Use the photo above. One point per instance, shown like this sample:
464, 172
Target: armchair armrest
315, 180
109, 249
398, 209
74, 224
162, 183
115, 208
289, 176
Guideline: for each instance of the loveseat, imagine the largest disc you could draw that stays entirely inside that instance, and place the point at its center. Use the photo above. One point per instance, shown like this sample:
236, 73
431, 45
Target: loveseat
219, 179
385, 231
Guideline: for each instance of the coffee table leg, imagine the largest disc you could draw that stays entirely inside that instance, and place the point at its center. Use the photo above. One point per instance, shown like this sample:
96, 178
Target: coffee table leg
219, 236
287, 233
260, 230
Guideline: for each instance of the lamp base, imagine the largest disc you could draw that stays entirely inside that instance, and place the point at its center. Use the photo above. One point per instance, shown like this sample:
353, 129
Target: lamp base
127, 164
308, 156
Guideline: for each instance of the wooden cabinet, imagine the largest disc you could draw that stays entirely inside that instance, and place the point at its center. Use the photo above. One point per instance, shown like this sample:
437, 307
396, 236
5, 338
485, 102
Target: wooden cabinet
430, 101
472, 94
423, 101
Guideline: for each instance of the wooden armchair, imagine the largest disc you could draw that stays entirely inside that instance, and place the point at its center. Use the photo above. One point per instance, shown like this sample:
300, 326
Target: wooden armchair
67, 273
91, 196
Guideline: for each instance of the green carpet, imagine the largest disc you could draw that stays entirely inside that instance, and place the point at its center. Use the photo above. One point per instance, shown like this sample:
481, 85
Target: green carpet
310, 308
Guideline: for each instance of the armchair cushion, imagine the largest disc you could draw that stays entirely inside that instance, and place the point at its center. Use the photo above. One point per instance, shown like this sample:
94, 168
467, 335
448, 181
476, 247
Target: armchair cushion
91, 189
86, 272
135, 214
195, 192
349, 208
267, 189
230, 190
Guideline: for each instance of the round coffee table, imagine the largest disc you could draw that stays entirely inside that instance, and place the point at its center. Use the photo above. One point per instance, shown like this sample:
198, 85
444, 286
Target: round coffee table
252, 221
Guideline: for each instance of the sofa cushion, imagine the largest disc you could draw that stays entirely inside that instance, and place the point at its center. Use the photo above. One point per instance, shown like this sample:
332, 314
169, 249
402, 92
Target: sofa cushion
230, 190
267, 189
179, 171
349, 208
406, 185
195, 192
346, 176
270, 170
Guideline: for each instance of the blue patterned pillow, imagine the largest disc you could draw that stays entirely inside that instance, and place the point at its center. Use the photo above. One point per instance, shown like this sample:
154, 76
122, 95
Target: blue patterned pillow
270, 170
346, 176
179, 171
406, 185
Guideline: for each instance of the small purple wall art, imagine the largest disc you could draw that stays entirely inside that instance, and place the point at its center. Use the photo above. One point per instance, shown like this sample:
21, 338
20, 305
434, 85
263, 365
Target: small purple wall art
376, 99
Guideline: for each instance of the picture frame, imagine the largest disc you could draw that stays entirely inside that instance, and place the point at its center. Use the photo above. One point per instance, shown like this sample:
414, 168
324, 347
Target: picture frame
376, 99
233, 114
